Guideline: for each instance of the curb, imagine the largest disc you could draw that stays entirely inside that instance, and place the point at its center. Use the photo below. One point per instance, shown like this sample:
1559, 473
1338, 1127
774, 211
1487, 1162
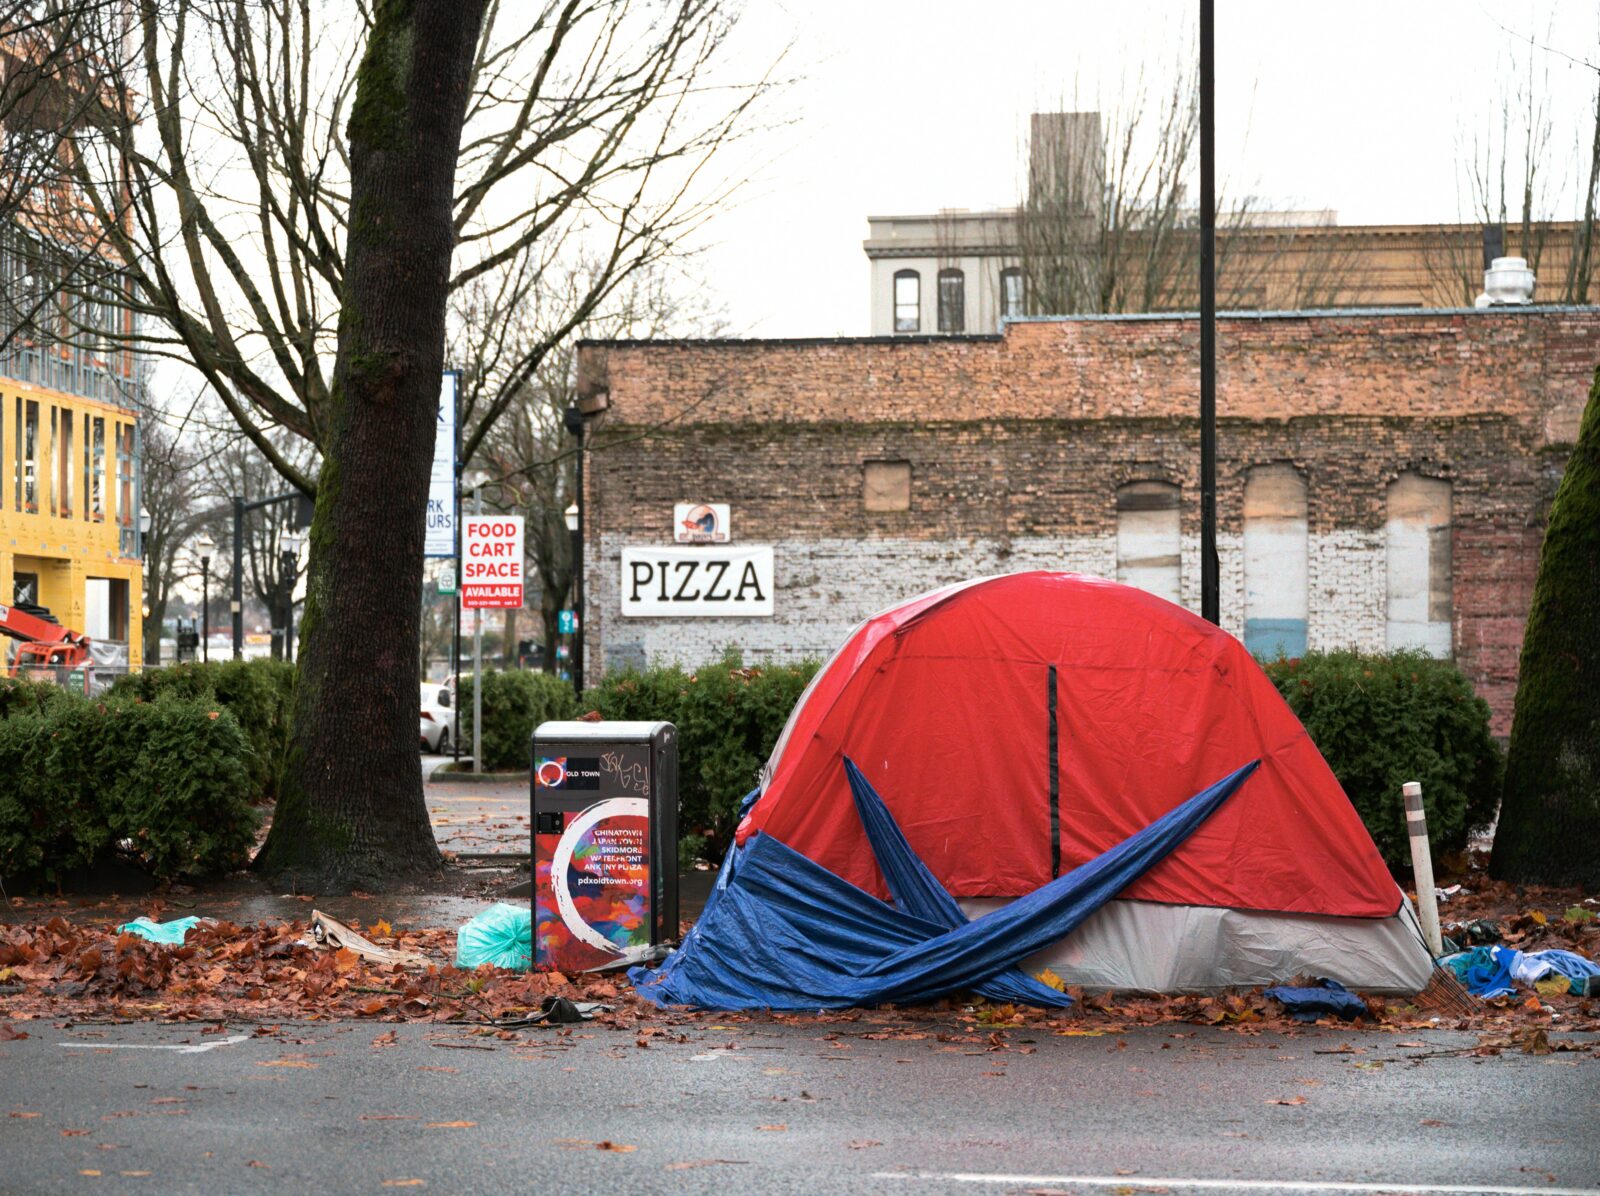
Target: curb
442, 774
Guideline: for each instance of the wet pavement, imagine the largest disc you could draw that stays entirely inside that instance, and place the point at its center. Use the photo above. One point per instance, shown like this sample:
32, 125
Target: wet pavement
806, 1107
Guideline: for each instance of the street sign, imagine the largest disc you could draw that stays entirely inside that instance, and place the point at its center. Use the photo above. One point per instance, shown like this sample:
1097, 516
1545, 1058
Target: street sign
447, 578
707, 582
441, 533
566, 621
491, 562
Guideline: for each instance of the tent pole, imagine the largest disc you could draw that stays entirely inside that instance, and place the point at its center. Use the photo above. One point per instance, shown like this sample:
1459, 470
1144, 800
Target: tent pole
1210, 589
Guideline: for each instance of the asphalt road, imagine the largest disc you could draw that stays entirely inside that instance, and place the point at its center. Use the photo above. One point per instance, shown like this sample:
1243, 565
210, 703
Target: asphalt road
768, 1108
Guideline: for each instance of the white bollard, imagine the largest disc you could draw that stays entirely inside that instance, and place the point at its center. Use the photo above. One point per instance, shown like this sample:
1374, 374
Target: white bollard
1422, 866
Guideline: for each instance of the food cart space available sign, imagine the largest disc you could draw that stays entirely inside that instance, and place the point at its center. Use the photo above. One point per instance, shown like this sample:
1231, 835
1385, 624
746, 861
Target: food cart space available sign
491, 562
715, 581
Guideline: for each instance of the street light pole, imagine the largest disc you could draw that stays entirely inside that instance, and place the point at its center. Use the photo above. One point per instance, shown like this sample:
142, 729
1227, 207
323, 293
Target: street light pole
205, 609
573, 419
238, 577
1210, 587
205, 544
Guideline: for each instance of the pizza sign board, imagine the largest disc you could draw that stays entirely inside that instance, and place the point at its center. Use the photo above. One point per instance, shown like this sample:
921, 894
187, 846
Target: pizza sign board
491, 562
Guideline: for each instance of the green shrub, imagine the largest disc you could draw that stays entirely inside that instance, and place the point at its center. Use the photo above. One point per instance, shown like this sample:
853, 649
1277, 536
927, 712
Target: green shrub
515, 701
728, 719
258, 693
80, 777
22, 694
1382, 720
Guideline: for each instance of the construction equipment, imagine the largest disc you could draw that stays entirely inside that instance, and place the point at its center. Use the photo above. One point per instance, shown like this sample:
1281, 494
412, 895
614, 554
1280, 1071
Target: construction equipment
45, 643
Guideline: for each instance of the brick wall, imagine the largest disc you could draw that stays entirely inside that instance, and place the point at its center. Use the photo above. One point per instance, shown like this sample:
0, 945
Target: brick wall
1018, 443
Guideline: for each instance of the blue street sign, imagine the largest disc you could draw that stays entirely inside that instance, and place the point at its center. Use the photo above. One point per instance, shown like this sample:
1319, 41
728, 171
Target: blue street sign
566, 621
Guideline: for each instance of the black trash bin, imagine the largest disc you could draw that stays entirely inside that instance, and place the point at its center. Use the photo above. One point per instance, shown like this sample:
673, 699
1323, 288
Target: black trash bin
605, 843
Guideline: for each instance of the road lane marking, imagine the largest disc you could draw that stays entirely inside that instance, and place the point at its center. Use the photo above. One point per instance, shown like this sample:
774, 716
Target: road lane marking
1253, 1185
183, 1048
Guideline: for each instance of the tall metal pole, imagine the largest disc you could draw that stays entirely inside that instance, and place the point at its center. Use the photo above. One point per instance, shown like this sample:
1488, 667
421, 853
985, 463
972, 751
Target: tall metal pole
1210, 587
238, 577
577, 572
477, 662
205, 609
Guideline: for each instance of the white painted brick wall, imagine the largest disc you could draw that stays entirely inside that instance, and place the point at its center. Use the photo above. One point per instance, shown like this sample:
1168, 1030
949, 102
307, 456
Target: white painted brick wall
825, 587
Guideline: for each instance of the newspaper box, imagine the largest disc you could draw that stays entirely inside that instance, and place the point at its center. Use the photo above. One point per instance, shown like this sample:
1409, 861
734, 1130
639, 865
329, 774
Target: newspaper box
605, 842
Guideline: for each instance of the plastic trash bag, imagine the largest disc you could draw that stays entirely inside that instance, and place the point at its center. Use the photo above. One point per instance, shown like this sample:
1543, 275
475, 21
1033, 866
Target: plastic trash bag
501, 936
169, 933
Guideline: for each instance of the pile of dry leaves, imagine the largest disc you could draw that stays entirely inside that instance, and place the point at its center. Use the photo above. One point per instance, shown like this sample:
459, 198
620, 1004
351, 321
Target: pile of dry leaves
267, 972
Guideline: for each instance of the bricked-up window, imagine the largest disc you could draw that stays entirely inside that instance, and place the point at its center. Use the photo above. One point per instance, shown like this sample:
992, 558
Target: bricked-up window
952, 301
886, 486
907, 301
1148, 539
1417, 537
1011, 293
1275, 562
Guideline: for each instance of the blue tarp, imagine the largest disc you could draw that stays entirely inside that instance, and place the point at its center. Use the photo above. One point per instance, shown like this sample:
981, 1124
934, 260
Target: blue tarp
782, 932
1310, 1003
1486, 971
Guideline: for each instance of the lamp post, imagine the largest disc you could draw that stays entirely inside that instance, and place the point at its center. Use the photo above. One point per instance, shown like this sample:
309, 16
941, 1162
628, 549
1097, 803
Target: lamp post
572, 418
289, 565
206, 546
574, 517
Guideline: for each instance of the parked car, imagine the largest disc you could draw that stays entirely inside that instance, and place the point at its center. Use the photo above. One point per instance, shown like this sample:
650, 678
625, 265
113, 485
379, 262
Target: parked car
438, 722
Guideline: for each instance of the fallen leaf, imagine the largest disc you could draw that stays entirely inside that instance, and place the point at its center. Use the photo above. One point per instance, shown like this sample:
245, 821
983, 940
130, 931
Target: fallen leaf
1433, 1121
450, 1125
9, 1033
284, 1063
404, 1183
74, 1133
1293, 1100
862, 1144
88, 1171
773, 1128
257, 1163
382, 929
133, 1173
24, 1114
385, 1040
616, 1146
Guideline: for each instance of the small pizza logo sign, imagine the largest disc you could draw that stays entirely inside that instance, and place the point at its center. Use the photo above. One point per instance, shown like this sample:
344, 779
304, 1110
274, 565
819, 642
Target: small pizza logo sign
552, 772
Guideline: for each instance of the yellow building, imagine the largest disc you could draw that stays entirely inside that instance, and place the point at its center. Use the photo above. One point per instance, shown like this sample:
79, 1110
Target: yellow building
69, 515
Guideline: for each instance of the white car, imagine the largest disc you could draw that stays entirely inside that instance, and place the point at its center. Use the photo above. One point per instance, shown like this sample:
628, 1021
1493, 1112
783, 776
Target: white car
438, 722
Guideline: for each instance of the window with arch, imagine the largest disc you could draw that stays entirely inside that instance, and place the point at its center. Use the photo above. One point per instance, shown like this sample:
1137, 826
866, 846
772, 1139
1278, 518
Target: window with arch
1276, 571
1420, 586
1149, 543
1011, 293
907, 301
952, 301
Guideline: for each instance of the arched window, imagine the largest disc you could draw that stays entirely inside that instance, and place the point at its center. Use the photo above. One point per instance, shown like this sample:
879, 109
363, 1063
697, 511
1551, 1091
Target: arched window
907, 301
1011, 293
1148, 541
952, 301
1419, 581
1275, 571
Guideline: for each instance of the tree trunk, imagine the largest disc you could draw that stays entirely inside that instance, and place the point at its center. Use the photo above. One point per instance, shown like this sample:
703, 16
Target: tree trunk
1550, 811
351, 810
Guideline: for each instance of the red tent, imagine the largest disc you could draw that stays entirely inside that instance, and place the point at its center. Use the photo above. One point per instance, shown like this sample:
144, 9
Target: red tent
1019, 726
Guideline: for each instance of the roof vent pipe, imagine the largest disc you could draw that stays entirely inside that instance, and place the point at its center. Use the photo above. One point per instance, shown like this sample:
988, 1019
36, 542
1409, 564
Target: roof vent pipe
1507, 281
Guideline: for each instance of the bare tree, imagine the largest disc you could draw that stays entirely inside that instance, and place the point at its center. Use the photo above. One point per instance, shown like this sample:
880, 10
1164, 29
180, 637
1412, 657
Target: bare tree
1106, 223
530, 455
242, 162
172, 493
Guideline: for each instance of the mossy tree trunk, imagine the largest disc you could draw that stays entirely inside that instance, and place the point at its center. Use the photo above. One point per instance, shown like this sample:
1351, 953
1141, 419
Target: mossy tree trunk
1549, 830
351, 811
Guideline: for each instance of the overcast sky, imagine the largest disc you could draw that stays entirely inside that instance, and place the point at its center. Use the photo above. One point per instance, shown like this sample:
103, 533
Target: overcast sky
1358, 106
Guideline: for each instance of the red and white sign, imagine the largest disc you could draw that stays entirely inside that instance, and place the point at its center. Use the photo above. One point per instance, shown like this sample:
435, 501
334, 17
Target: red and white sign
491, 562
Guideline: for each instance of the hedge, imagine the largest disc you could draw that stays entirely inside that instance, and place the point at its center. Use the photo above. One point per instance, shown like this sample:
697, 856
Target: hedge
515, 701
258, 693
1382, 720
165, 782
728, 717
